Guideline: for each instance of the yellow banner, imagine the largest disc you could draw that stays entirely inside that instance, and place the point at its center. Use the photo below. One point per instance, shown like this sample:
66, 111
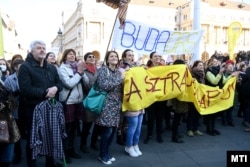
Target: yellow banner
234, 31
145, 86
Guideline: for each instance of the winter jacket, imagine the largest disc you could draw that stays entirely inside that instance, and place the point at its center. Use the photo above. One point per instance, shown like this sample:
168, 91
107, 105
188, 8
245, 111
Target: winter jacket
34, 81
71, 82
111, 82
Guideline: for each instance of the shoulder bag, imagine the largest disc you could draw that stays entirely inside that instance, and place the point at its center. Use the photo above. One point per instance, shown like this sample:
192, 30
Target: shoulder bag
65, 101
95, 99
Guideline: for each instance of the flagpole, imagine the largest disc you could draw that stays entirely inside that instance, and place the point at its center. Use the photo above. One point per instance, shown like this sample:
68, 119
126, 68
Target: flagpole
196, 26
112, 30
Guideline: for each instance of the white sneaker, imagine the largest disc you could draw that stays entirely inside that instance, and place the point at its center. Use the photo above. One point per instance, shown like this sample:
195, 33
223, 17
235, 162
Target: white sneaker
112, 159
137, 150
131, 152
105, 162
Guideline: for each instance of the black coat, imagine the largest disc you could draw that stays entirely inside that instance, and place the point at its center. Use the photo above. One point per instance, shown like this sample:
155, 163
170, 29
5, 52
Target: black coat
244, 87
35, 80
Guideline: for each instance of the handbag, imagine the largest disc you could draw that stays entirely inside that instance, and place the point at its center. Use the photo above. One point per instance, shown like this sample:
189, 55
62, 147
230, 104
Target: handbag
4, 132
95, 100
14, 131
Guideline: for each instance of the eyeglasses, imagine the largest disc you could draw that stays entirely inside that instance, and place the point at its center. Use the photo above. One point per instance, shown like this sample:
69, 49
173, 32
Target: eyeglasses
91, 57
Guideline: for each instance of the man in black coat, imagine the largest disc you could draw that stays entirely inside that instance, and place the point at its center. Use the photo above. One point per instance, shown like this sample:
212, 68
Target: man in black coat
38, 81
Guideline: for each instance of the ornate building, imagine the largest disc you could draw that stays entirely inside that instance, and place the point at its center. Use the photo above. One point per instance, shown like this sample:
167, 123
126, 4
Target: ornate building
89, 27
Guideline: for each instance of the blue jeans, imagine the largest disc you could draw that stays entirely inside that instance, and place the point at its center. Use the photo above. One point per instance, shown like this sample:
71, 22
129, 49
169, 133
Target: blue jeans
107, 135
6, 152
134, 130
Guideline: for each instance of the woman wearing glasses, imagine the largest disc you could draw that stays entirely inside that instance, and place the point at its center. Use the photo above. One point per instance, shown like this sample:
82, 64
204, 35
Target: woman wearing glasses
88, 117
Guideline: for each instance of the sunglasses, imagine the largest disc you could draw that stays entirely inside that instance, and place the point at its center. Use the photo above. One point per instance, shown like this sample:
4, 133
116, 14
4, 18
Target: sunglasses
91, 57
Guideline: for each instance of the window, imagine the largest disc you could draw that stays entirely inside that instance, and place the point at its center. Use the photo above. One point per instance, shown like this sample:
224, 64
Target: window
184, 17
94, 32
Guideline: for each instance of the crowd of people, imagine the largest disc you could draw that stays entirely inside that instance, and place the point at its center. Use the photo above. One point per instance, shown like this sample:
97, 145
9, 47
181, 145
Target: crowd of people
48, 95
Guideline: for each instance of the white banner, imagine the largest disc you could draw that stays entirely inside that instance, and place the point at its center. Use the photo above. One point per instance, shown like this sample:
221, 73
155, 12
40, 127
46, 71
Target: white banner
144, 39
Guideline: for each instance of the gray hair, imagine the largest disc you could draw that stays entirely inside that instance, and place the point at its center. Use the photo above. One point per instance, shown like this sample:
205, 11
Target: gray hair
34, 43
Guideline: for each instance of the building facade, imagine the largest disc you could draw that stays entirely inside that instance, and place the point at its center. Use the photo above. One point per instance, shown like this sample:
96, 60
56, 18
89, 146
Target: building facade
11, 44
215, 18
89, 27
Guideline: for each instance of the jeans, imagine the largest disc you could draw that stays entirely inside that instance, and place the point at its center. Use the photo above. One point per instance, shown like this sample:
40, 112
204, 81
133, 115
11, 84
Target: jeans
134, 130
6, 152
107, 135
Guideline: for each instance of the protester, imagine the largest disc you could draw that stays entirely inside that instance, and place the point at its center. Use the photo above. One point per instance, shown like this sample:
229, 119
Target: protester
213, 77
197, 71
179, 108
88, 117
244, 91
16, 56
38, 81
4, 69
11, 83
109, 79
71, 74
227, 118
7, 149
241, 110
51, 58
155, 112
134, 118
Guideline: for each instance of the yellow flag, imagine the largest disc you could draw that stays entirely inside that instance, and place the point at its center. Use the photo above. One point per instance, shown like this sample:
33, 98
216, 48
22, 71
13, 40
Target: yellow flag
234, 31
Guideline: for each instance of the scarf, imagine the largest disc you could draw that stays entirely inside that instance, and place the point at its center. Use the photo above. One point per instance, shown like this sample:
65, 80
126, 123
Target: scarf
73, 65
91, 68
